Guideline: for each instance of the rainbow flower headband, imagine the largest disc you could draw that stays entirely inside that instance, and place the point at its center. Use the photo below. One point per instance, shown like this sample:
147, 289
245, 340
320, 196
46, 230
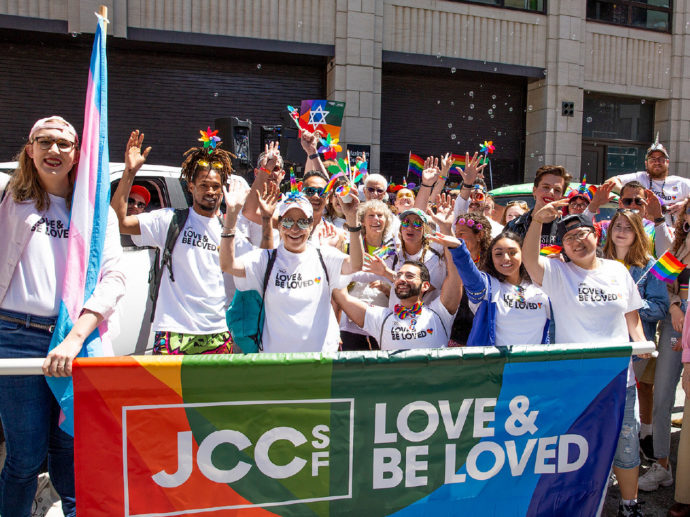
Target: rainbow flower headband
469, 222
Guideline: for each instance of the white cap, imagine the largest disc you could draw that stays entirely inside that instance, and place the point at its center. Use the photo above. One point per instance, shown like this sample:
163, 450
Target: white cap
295, 201
54, 122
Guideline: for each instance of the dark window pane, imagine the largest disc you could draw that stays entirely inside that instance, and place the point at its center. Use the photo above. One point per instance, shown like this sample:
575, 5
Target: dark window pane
650, 19
617, 118
624, 159
626, 12
532, 5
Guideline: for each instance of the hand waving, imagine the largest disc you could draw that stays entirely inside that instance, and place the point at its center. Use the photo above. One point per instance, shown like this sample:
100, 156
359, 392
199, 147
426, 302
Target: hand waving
134, 158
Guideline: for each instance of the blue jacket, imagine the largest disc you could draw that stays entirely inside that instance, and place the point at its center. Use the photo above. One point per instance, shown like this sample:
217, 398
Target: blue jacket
654, 297
479, 287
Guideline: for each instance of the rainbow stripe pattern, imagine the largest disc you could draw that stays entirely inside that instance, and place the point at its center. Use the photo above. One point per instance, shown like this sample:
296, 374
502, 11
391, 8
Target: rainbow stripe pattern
458, 164
667, 268
415, 165
550, 250
87, 228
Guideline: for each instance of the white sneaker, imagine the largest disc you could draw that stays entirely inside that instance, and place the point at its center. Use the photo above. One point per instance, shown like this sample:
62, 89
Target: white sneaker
655, 476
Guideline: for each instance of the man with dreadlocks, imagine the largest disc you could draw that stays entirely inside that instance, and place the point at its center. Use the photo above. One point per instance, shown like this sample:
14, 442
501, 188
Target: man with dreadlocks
190, 310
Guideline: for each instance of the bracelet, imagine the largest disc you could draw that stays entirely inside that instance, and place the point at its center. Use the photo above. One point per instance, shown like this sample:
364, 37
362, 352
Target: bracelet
313, 156
230, 233
444, 178
465, 185
265, 170
659, 220
430, 186
352, 229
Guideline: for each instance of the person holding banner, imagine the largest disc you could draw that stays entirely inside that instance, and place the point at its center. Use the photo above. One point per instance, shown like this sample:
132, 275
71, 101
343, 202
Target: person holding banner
593, 300
668, 362
298, 275
35, 223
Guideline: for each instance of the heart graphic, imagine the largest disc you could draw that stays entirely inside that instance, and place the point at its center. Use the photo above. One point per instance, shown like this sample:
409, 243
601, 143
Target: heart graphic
317, 280
430, 331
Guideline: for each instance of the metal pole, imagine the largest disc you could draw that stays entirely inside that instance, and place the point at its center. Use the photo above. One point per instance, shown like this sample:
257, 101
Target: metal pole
33, 366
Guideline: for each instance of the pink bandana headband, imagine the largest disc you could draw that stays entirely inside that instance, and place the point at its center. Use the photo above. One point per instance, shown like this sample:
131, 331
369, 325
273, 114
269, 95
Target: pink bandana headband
54, 122
470, 222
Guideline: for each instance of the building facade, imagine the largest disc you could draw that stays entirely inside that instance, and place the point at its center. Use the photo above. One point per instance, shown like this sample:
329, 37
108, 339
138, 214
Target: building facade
582, 83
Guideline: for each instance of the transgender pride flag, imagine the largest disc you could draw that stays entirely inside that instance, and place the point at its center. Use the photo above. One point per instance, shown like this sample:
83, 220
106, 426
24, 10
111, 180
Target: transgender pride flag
88, 222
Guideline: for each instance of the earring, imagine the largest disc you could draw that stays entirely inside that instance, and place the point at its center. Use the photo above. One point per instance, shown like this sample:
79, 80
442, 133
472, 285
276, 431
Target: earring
686, 227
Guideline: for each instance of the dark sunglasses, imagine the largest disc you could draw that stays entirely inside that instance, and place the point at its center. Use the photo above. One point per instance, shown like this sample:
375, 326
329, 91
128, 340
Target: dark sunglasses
138, 204
373, 190
628, 201
313, 191
302, 224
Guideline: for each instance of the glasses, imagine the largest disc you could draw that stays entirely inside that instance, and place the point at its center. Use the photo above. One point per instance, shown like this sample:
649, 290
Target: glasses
46, 143
628, 201
408, 275
204, 164
302, 224
373, 190
134, 202
416, 224
478, 195
313, 191
579, 205
657, 160
579, 236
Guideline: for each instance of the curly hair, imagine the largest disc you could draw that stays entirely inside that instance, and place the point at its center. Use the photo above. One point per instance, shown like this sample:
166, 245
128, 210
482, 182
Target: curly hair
193, 155
487, 262
484, 233
681, 234
374, 205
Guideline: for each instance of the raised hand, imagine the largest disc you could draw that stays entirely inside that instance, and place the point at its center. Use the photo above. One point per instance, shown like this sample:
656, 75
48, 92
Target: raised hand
473, 169
444, 213
328, 234
349, 209
446, 163
601, 196
268, 200
310, 141
653, 205
272, 155
235, 197
447, 241
549, 212
134, 158
431, 171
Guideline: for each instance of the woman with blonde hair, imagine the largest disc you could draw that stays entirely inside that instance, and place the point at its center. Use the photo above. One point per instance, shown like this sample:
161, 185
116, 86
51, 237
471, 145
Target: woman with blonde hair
513, 210
34, 218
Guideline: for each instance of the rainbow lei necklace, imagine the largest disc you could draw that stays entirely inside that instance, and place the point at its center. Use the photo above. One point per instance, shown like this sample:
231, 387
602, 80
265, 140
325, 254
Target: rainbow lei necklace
403, 312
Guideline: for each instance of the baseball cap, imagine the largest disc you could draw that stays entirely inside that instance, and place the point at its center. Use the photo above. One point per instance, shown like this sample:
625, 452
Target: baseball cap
298, 201
54, 122
573, 222
142, 191
417, 212
656, 146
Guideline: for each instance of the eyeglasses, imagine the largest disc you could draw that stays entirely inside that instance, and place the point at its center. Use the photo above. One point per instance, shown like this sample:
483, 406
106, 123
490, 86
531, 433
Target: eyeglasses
579, 236
416, 223
579, 205
204, 164
313, 191
477, 194
134, 202
302, 224
373, 190
46, 143
657, 160
628, 201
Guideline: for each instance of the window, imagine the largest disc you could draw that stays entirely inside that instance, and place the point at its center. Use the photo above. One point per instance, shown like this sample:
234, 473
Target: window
645, 14
526, 5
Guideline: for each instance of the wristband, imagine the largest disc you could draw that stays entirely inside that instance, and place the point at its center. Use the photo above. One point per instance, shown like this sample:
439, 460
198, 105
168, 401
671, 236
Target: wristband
444, 178
659, 220
352, 229
313, 156
465, 185
226, 235
265, 170
430, 186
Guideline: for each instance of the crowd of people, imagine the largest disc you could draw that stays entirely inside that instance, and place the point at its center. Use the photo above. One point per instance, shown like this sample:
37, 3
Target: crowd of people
351, 269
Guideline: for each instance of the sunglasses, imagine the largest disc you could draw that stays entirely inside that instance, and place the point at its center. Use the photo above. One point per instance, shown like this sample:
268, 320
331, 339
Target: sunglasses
477, 194
302, 224
46, 143
138, 204
416, 224
628, 201
205, 164
313, 191
373, 190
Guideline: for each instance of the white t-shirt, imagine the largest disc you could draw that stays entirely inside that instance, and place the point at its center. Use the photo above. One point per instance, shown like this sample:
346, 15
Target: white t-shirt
195, 302
672, 189
520, 316
297, 302
430, 329
590, 305
433, 261
36, 286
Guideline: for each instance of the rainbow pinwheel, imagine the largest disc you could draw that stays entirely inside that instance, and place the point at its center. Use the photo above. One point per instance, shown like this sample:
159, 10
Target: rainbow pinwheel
209, 139
487, 147
360, 169
330, 147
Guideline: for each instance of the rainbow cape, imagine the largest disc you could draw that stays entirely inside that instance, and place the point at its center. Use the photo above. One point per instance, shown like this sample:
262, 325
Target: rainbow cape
87, 227
415, 165
667, 268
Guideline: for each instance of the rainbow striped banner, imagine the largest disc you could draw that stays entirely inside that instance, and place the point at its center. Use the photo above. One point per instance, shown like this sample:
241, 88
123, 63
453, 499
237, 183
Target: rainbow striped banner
458, 164
415, 165
667, 268
88, 223
550, 250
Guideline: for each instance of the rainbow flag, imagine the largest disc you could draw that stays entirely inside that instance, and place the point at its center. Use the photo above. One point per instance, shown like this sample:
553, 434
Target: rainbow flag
458, 164
88, 223
415, 165
550, 250
322, 115
667, 268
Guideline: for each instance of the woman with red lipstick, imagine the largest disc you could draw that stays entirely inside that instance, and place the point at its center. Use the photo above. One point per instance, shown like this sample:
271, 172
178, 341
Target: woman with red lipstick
34, 223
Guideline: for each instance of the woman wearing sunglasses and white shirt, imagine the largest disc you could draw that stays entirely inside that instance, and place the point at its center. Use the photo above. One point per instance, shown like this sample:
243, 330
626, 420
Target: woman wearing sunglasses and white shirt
593, 300
298, 311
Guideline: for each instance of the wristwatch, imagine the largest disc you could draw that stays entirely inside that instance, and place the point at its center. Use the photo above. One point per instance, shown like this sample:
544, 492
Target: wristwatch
313, 156
352, 228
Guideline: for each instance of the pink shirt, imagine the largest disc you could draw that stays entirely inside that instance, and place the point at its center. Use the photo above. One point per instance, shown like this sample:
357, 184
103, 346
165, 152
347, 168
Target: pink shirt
686, 338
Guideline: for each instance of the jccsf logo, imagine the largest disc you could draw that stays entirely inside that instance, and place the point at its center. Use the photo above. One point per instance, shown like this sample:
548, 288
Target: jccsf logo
254, 448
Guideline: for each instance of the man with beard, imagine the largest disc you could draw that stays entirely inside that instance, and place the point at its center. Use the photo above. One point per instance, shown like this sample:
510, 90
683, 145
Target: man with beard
672, 190
411, 323
190, 311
